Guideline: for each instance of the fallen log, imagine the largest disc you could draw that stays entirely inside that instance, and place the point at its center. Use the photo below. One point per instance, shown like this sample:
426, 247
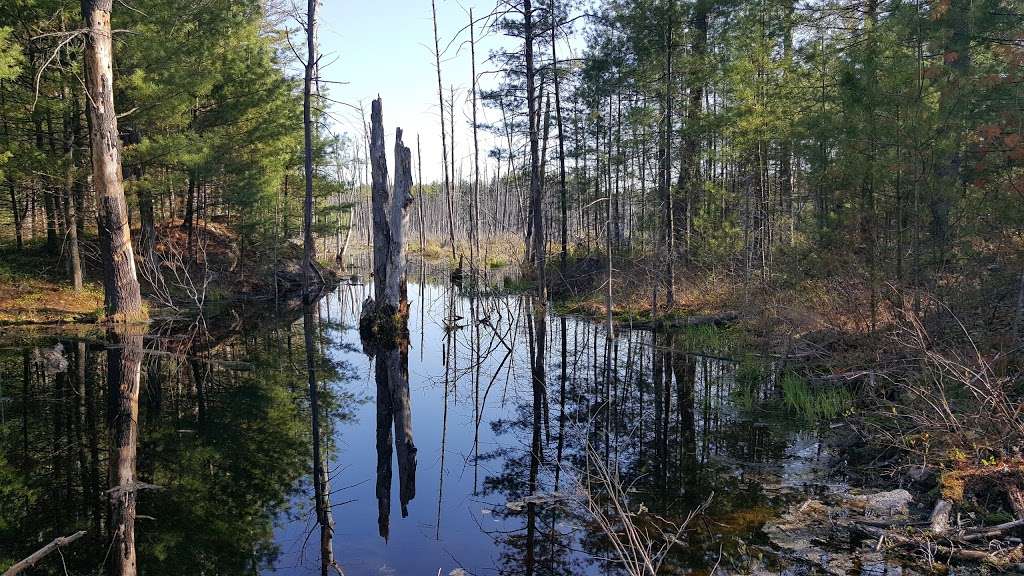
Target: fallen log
675, 323
991, 531
996, 557
38, 555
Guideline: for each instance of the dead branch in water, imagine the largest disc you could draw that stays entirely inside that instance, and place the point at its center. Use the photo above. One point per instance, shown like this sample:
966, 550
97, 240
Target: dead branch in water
641, 540
38, 555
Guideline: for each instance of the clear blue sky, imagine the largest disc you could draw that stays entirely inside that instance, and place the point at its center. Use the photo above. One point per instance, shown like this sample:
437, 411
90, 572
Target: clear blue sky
385, 47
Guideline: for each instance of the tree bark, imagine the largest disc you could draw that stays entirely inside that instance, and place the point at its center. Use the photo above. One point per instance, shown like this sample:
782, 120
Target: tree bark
398, 223
74, 257
668, 227
124, 365
17, 215
689, 171
562, 198
379, 199
122, 300
476, 156
533, 120
309, 248
387, 311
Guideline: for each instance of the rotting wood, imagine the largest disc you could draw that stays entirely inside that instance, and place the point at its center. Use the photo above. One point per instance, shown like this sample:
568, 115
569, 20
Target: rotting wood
386, 312
1016, 498
398, 223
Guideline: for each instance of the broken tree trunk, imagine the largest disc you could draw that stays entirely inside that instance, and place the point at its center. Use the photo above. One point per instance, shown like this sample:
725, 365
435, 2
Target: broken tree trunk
378, 199
385, 315
398, 224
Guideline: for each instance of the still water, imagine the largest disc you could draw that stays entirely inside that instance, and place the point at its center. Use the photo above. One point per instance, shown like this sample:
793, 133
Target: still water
470, 450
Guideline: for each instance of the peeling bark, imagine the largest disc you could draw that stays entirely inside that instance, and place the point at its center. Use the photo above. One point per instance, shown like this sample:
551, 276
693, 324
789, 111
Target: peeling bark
122, 299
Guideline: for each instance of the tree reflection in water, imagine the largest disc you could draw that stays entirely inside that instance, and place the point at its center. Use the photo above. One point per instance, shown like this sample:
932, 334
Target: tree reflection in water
124, 364
246, 433
321, 480
204, 439
391, 373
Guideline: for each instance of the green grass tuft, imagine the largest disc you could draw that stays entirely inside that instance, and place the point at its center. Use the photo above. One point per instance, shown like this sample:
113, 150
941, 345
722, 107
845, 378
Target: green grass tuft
821, 404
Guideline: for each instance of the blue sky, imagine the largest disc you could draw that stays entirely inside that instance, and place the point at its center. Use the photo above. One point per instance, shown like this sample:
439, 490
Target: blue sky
386, 47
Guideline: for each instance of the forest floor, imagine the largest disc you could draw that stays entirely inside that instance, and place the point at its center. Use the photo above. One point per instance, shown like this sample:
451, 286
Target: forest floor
34, 290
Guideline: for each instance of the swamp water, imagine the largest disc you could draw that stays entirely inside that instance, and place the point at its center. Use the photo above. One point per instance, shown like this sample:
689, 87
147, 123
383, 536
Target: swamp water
465, 452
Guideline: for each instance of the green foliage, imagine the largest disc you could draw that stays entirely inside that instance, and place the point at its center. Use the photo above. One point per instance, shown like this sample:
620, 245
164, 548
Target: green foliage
814, 404
11, 58
710, 338
750, 372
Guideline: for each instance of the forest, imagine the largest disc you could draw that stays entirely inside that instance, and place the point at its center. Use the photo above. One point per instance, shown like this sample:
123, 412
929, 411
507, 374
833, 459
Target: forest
670, 286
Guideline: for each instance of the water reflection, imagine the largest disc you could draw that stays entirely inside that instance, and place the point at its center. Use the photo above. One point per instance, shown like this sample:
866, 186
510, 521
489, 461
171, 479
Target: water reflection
391, 373
124, 366
245, 446
321, 480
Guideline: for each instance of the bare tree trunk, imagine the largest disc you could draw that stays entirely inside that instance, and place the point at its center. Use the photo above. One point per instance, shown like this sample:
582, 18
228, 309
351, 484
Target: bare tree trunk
17, 215
390, 221
786, 147
122, 299
689, 172
74, 257
476, 155
536, 192
10, 179
309, 248
444, 140
563, 200
419, 189
955, 22
379, 199
666, 169
456, 178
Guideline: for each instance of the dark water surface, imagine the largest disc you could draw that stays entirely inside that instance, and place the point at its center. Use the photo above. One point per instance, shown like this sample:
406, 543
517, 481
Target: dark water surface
463, 451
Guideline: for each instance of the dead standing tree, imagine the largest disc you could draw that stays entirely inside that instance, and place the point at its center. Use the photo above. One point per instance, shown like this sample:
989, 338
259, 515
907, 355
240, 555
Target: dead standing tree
122, 299
387, 312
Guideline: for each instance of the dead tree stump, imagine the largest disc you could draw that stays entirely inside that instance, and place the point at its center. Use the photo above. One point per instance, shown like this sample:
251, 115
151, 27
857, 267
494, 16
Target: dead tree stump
386, 315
